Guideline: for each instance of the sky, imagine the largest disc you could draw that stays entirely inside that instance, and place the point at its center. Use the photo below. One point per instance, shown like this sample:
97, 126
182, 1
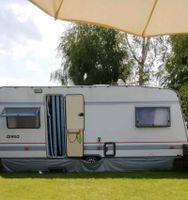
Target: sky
28, 42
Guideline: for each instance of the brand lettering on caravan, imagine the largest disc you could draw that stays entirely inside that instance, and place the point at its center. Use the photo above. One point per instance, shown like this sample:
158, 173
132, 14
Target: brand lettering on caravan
12, 136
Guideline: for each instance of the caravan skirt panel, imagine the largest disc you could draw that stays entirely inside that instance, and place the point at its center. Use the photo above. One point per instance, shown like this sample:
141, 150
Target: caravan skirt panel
77, 165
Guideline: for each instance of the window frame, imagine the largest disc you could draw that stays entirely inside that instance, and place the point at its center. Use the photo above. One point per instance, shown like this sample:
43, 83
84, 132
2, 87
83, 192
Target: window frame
37, 116
152, 125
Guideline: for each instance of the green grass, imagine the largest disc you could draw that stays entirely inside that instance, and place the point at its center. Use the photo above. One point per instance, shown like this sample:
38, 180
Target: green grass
95, 186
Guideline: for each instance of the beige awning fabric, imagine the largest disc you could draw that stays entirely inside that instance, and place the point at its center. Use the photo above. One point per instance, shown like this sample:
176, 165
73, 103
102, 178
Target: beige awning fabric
139, 17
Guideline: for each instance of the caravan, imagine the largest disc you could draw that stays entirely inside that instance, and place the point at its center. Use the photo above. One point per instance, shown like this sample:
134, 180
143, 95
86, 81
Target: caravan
90, 124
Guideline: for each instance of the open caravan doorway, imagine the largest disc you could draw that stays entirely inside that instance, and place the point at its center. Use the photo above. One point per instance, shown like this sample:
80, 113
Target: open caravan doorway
65, 125
55, 126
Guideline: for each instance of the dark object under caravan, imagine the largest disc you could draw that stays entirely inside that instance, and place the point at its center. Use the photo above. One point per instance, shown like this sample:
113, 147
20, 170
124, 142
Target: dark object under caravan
185, 156
55, 125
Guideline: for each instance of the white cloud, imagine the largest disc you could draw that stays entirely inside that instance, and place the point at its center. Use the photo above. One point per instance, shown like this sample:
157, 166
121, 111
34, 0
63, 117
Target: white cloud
18, 51
31, 66
29, 39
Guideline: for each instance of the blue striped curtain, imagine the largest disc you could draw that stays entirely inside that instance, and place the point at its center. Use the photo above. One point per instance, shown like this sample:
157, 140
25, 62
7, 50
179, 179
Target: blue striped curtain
55, 125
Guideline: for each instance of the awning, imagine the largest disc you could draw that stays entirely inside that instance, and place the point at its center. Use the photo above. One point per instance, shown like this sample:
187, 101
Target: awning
139, 17
19, 112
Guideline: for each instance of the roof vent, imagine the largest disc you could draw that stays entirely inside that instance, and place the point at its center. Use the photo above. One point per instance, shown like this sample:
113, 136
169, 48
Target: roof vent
37, 90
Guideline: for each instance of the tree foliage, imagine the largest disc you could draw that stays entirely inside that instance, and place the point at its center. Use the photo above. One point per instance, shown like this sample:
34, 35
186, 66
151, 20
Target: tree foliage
183, 93
176, 75
145, 56
91, 55
177, 63
94, 55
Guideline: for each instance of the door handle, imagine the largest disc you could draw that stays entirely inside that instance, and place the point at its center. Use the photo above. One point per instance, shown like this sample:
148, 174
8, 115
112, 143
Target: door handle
81, 114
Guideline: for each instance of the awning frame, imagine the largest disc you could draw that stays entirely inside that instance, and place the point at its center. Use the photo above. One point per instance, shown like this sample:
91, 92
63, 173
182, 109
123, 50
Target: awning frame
20, 112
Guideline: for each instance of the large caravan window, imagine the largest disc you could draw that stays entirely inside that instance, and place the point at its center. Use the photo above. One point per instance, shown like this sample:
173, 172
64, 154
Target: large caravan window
22, 117
152, 116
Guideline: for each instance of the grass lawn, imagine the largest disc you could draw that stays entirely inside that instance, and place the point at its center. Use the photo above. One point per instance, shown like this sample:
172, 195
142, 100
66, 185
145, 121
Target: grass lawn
94, 186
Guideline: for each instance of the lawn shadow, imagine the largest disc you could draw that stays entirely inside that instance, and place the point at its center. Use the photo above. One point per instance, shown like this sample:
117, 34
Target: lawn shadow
98, 175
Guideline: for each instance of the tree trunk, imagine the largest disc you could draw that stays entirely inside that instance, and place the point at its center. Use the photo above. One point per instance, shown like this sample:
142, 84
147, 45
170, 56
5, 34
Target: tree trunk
141, 70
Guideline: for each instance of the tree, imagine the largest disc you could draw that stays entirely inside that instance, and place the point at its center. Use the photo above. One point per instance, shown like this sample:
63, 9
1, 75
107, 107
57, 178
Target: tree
146, 56
176, 70
91, 55
183, 93
177, 63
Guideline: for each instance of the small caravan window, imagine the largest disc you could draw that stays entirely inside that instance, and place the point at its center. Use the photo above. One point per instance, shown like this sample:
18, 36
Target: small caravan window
22, 117
152, 116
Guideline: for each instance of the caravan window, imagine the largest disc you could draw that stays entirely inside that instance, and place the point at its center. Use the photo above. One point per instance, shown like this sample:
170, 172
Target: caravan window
152, 116
22, 117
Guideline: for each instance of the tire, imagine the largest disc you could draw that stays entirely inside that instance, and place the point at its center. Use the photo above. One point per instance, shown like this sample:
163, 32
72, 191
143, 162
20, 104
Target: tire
91, 159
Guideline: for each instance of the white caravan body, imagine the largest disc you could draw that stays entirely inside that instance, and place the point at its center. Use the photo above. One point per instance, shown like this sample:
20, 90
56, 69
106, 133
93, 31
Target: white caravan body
102, 121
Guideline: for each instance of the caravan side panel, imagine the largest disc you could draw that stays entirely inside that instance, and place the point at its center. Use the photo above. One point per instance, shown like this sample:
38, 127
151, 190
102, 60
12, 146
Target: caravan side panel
21, 142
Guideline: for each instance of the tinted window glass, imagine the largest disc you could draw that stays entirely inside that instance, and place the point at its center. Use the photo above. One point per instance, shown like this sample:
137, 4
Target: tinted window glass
23, 122
152, 116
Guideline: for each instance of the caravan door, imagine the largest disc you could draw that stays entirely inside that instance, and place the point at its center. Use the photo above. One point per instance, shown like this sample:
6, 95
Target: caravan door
75, 125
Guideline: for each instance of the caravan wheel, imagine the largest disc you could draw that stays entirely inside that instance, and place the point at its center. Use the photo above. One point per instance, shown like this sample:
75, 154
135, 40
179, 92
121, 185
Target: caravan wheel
91, 159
